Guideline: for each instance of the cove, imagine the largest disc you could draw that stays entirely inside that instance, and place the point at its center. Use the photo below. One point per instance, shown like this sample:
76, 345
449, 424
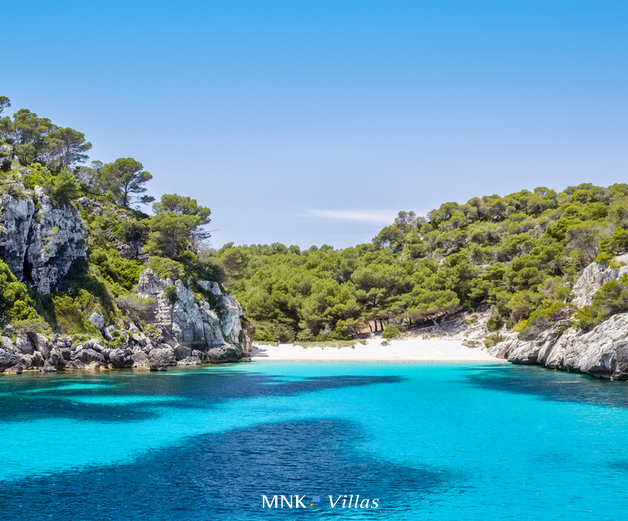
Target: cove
430, 441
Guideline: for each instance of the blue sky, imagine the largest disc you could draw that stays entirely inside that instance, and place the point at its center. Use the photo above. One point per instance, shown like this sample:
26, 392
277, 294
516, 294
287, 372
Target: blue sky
311, 122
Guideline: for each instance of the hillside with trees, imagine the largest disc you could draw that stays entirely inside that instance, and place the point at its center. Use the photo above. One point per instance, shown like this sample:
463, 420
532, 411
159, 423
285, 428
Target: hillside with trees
38, 160
517, 256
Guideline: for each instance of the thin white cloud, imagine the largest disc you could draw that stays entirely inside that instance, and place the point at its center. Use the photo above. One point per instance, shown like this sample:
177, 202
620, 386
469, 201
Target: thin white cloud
380, 217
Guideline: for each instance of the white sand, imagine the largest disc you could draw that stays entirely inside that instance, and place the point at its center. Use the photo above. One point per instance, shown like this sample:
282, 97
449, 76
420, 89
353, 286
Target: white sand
412, 349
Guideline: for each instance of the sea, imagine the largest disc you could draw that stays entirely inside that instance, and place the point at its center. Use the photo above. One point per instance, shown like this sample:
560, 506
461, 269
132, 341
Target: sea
314, 440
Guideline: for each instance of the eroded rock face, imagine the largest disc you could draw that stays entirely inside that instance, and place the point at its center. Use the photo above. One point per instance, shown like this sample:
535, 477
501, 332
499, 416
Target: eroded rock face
602, 352
196, 324
593, 278
40, 242
16, 216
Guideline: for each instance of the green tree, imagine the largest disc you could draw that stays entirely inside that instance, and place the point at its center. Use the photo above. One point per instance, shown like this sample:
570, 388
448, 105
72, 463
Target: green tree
4, 103
125, 177
62, 188
66, 147
29, 132
177, 226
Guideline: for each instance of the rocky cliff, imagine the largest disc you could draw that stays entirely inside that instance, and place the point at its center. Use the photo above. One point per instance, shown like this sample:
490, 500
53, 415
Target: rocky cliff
40, 242
601, 352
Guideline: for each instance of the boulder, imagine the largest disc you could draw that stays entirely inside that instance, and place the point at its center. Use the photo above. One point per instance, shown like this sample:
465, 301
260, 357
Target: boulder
57, 357
23, 344
190, 360
97, 320
223, 353
121, 358
7, 344
9, 362
161, 357
181, 352
87, 355
41, 344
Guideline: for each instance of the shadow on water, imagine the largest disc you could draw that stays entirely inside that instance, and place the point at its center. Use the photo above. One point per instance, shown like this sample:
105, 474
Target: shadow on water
549, 385
42, 397
223, 476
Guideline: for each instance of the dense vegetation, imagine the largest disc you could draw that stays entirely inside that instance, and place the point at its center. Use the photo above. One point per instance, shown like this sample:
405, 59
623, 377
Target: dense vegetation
517, 254
122, 239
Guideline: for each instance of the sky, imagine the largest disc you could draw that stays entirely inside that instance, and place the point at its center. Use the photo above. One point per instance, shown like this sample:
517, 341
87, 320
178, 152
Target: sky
314, 122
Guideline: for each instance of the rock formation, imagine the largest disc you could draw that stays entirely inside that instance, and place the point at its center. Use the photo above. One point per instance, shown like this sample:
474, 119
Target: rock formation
38, 241
215, 330
602, 352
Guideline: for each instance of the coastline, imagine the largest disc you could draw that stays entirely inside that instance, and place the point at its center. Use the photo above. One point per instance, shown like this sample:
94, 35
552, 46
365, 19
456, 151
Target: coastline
414, 349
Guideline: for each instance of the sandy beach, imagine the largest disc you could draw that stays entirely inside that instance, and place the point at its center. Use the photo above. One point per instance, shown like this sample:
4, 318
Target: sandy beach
412, 349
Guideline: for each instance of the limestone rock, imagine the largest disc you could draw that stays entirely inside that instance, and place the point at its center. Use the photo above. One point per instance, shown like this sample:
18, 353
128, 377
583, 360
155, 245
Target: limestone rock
190, 360
224, 353
181, 352
195, 324
40, 243
10, 363
209, 285
41, 344
16, 216
87, 355
57, 239
592, 279
161, 357
121, 358
97, 320
24, 345
57, 358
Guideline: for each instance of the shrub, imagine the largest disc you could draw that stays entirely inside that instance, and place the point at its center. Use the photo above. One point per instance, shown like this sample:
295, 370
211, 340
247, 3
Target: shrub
15, 300
494, 323
134, 307
166, 268
115, 268
494, 339
392, 330
612, 298
14, 189
544, 318
170, 292
62, 188
69, 318
612, 246
31, 326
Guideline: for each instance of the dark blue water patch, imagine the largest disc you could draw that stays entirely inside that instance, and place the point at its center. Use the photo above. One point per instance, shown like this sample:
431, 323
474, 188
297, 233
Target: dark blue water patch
550, 385
223, 476
44, 396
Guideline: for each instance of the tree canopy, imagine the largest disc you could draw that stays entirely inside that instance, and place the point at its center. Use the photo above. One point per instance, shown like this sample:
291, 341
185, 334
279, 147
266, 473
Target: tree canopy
518, 255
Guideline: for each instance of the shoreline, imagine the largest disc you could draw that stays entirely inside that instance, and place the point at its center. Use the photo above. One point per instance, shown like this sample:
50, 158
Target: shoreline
414, 349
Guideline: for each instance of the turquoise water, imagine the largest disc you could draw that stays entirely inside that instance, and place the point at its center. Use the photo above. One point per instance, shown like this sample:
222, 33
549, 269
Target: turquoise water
429, 441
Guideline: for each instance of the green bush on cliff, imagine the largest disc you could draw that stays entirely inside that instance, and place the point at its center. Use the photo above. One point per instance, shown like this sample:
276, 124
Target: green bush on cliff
15, 301
611, 299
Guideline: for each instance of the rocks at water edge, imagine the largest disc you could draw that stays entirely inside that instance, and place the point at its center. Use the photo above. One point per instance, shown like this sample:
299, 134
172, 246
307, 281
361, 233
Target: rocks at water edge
601, 352
190, 331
